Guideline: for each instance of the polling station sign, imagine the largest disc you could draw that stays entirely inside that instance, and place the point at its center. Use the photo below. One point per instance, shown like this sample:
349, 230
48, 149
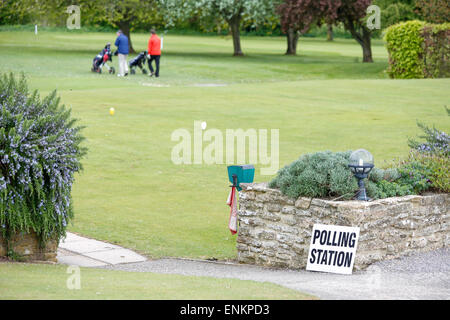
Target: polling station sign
332, 248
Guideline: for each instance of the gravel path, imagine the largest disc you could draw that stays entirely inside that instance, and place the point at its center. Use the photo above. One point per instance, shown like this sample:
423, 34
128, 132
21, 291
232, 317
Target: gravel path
420, 276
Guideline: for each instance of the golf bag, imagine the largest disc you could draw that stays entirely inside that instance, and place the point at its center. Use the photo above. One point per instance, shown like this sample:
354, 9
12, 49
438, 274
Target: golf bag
138, 62
101, 60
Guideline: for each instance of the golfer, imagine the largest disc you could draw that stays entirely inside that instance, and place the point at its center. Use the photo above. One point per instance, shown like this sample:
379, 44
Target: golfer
154, 51
122, 49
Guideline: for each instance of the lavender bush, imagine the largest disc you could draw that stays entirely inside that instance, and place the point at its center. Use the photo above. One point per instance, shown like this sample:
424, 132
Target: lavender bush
39, 153
436, 142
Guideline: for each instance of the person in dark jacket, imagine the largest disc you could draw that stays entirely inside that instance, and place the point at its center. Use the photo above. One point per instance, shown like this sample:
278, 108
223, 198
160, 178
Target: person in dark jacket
122, 50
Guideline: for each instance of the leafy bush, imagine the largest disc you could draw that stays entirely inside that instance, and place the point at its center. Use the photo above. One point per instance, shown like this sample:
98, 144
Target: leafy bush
436, 141
319, 174
39, 153
418, 50
409, 178
378, 175
404, 44
386, 189
436, 50
436, 168
416, 175
385, 183
419, 173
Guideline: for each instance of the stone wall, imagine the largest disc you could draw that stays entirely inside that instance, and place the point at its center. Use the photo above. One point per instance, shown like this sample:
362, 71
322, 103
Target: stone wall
26, 246
276, 231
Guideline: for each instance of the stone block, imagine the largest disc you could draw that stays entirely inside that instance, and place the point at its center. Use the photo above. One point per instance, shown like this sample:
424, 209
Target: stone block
266, 235
303, 203
27, 246
270, 216
273, 207
288, 210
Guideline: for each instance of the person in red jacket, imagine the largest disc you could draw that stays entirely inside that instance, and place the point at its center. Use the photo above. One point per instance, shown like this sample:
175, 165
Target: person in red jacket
154, 51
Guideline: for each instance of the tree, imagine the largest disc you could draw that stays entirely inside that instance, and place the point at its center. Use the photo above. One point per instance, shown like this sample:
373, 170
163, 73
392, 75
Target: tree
232, 11
14, 12
296, 17
352, 13
299, 15
42, 12
435, 11
122, 14
329, 32
395, 11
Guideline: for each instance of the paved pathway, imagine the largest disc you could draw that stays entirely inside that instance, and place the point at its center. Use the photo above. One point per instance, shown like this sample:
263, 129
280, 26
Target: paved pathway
84, 252
420, 276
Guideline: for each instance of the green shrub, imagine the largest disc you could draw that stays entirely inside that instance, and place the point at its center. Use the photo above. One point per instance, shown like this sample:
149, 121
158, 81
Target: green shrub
405, 46
415, 175
419, 173
320, 174
418, 50
436, 46
435, 167
385, 183
390, 174
39, 153
436, 141
386, 189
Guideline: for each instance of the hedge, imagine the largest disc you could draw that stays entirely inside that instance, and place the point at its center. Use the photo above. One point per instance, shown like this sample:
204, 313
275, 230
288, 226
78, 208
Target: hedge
418, 50
436, 50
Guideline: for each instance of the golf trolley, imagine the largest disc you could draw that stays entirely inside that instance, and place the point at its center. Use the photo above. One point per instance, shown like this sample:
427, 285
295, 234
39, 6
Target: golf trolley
138, 62
101, 60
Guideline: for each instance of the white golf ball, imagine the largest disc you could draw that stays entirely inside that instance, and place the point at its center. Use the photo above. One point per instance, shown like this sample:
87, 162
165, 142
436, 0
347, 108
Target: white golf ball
203, 125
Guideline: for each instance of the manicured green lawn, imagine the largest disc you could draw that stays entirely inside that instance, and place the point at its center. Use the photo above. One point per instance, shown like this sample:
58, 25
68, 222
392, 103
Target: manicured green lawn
130, 191
32, 281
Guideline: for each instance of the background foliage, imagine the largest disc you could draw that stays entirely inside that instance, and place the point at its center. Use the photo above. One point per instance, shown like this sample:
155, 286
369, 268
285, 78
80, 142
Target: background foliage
434, 11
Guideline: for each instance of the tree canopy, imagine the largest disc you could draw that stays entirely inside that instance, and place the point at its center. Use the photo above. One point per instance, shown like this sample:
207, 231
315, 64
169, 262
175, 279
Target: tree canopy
299, 15
231, 11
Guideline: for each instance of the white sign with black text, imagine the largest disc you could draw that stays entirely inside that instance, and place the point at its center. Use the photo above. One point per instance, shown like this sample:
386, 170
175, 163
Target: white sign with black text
332, 248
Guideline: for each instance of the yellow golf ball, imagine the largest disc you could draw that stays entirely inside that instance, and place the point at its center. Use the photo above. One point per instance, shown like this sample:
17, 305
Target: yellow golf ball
112, 111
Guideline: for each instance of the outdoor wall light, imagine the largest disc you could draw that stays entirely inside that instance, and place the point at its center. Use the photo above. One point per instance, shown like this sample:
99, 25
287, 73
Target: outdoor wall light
361, 162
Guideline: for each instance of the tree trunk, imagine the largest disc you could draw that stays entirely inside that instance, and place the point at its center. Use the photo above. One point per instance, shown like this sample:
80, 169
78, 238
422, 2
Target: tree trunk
292, 40
363, 39
329, 32
367, 46
125, 27
235, 23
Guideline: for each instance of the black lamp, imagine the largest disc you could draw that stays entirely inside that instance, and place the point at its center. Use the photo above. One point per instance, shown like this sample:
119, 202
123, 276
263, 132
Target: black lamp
361, 162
